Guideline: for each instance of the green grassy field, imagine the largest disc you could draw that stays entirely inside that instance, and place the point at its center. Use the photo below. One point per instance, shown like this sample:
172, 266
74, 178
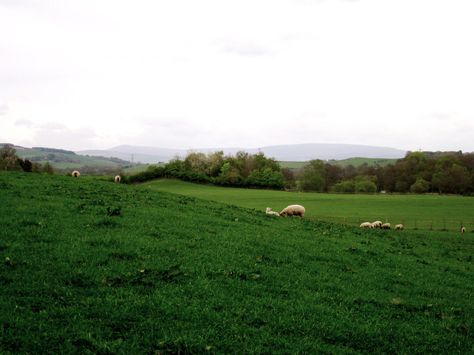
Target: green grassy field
292, 164
425, 212
89, 266
344, 162
361, 161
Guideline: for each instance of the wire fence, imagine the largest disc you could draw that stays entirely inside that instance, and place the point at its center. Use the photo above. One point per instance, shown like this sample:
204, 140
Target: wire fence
445, 224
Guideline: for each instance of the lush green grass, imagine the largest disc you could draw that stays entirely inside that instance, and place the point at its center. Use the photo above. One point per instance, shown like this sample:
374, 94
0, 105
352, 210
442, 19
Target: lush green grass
292, 164
361, 161
89, 266
415, 211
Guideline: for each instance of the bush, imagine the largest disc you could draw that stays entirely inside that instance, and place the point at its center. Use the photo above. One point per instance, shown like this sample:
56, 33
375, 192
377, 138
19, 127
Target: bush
365, 186
420, 186
347, 186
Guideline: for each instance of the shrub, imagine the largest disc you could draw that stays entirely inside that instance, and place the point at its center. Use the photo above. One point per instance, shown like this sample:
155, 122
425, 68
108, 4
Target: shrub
365, 186
347, 186
420, 186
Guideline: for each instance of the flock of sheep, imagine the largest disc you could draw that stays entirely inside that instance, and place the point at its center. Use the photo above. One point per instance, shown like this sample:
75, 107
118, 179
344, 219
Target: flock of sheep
379, 224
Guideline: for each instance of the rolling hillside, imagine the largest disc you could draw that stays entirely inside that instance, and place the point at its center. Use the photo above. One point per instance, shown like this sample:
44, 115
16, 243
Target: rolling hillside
89, 266
65, 160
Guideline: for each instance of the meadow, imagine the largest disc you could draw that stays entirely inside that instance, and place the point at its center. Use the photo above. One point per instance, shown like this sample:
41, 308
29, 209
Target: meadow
425, 212
89, 266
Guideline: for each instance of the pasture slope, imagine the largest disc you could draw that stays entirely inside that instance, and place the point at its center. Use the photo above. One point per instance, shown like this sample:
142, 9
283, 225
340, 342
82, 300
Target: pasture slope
425, 212
89, 266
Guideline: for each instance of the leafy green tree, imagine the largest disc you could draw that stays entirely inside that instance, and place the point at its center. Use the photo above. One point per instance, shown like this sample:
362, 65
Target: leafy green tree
313, 177
229, 175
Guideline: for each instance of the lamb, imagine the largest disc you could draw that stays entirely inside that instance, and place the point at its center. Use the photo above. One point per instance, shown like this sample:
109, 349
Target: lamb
293, 210
463, 229
117, 179
366, 225
386, 226
399, 227
377, 224
270, 212
76, 173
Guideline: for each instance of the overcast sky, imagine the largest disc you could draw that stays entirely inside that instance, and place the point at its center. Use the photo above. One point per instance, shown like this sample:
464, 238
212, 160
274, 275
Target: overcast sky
82, 74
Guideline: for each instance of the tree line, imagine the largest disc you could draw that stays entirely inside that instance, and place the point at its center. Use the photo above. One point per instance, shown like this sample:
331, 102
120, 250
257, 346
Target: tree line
417, 172
241, 170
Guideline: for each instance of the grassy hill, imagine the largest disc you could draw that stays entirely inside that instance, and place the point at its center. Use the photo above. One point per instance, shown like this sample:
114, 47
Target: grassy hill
88, 266
415, 211
356, 162
361, 161
64, 160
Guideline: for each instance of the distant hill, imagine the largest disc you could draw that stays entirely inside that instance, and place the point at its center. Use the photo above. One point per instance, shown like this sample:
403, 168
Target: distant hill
65, 160
291, 152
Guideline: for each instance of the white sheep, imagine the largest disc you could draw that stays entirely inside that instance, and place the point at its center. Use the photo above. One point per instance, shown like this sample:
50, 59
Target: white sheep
377, 224
463, 229
117, 179
366, 225
75, 173
399, 227
386, 226
293, 210
270, 212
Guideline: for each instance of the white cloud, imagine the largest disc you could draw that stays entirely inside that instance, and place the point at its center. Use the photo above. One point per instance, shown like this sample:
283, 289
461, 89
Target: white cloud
237, 73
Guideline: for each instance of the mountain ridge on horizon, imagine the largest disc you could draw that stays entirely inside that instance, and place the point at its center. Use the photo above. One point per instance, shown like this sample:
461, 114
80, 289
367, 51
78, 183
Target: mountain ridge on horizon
284, 152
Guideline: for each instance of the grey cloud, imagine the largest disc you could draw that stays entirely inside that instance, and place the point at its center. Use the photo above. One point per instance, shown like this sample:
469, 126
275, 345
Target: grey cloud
65, 137
175, 126
25, 123
243, 48
51, 126
17, 3
3, 109
441, 116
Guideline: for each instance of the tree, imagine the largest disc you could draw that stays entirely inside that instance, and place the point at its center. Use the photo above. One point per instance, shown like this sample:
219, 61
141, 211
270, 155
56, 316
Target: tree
313, 177
8, 158
26, 165
365, 184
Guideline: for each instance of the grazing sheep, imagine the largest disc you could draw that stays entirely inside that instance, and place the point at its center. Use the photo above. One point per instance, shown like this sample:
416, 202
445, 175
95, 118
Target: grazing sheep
366, 225
399, 227
270, 212
386, 226
117, 179
293, 210
75, 173
377, 224
463, 230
